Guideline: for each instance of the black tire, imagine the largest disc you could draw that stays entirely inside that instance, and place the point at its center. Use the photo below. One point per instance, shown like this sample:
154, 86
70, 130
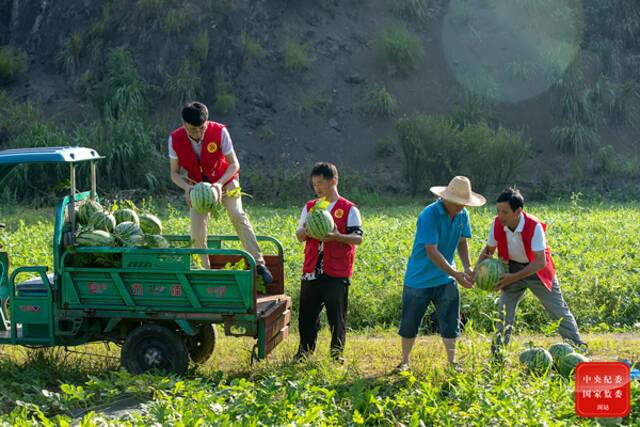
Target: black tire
201, 345
154, 347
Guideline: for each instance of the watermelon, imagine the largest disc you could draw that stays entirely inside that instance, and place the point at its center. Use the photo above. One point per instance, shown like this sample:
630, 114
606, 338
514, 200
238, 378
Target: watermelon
126, 230
95, 238
568, 363
126, 215
319, 223
150, 224
135, 240
204, 197
537, 360
559, 350
156, 241
86, 210
487, 274
101, 220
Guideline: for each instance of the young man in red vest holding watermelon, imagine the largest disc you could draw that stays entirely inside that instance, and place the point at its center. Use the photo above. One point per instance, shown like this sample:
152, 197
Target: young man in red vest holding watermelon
328, 264
205, 151
521, 241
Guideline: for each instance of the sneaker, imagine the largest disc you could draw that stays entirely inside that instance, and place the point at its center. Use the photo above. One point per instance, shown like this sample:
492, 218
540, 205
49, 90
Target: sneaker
402, 367
264, 272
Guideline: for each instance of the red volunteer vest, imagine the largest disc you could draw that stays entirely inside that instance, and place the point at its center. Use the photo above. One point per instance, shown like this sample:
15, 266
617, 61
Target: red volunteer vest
337, 258
545, 275
212, 164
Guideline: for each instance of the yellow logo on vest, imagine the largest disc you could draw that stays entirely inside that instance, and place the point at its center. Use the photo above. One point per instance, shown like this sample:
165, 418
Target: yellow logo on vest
339, 213
212, 147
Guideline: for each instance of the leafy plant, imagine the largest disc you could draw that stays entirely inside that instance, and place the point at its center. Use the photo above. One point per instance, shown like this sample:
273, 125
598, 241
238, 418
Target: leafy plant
13, 61
399, 50
184, 84
252, 51
295, 57
380, 102
69, 56
225, 103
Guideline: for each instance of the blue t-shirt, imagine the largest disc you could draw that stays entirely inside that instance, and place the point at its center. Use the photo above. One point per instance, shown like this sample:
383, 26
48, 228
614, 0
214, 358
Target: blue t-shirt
435, 227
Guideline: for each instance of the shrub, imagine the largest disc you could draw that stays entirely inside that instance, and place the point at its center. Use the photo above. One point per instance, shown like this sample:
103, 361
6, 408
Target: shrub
425, 141
473, 108
491, 157
13, 61
314, 103
200, 48
435, 149
225, 103
69, 56
399, 50
411, 9
122, 90
295, 58
252, 51
178, 20
183, 85
266, 132
575, 137
380, 102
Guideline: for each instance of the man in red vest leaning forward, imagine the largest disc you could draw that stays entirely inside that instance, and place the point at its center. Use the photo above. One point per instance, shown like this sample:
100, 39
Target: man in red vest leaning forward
328, 264
205, 151
520, 240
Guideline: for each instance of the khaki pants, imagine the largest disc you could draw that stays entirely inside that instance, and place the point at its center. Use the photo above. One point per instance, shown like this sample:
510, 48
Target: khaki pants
239, 219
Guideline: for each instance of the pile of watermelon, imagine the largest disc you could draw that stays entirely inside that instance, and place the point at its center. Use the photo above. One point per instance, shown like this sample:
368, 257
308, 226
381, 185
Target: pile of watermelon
97, 226
561, 356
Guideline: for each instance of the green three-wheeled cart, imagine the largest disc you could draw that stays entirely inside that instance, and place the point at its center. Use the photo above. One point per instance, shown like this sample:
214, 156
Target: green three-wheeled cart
153, 303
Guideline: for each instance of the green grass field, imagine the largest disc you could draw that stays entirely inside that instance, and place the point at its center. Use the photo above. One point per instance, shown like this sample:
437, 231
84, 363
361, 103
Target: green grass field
595, 249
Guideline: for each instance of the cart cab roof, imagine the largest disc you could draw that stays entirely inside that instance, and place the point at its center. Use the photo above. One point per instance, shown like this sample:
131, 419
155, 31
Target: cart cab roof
17, 156
11, 158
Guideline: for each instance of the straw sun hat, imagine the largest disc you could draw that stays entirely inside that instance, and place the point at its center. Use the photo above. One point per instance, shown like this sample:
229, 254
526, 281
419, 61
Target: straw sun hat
459, 191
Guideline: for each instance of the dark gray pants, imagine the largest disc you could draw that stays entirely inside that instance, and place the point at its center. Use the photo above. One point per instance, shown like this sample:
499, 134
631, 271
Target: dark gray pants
553, 302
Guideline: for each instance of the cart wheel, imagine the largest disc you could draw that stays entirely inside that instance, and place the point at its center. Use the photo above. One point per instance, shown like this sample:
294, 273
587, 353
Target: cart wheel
201, 345
154, 347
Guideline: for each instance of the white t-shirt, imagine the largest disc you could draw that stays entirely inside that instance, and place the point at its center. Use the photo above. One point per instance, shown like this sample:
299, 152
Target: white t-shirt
353, 220
226, 145
516, 245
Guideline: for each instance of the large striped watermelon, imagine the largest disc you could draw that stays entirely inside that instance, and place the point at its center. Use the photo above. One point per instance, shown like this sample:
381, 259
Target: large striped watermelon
319, 223
569, 362
537, 360
204, 197
126, 215
150, 224
156, 241
135, 240
86, 210
487, 274
125, 231
101, 220
558, 350
95, 238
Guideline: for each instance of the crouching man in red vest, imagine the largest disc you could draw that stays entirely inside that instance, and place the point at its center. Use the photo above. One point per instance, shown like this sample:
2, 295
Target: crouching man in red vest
521, 241
328, 265
205, 151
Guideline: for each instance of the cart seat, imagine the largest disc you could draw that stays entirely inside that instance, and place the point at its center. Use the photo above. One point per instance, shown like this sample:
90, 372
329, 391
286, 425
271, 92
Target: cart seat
33, 287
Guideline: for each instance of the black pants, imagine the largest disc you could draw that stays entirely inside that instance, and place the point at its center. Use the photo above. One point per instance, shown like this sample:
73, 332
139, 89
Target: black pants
329, 292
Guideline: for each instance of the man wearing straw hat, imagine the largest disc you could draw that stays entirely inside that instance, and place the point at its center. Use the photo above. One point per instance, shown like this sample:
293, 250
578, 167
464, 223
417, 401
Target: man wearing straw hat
442, 228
